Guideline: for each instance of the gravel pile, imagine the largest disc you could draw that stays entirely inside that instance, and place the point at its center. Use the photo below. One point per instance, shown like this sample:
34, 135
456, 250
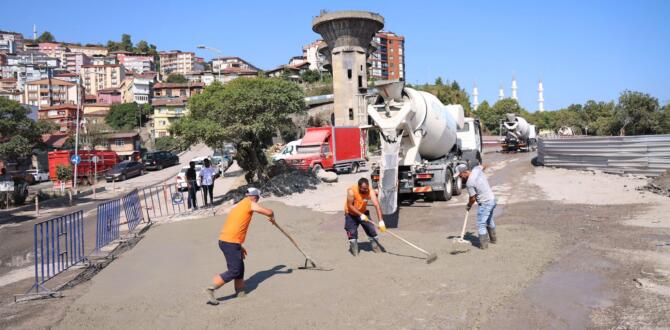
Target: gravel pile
283, 182
659, 185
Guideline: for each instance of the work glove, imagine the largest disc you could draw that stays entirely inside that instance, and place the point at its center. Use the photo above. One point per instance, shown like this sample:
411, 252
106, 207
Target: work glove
364, 217
382, 226
468, 207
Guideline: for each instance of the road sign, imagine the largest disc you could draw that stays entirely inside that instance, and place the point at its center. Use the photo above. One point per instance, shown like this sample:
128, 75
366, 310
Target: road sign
75, 159
94, 159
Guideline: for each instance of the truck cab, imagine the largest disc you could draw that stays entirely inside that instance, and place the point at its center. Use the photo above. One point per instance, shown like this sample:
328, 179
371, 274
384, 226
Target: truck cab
469, 139
339, 149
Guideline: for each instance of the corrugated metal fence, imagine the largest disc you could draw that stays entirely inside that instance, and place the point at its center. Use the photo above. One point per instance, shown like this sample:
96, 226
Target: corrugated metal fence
642, 154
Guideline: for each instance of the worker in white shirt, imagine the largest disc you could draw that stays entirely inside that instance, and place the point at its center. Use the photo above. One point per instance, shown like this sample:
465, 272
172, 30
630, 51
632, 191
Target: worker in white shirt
207, 176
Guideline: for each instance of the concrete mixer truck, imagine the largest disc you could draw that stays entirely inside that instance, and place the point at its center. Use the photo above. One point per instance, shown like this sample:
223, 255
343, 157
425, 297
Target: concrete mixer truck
419, 145
517, 134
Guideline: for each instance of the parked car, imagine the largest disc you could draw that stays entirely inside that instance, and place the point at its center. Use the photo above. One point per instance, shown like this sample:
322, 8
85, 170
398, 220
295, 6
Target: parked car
38, 175
158, 160
223, 161
124, 170
181, 177
230, 149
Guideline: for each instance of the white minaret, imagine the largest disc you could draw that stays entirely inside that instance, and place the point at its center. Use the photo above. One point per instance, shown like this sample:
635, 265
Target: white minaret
514, 88
540, 96
501, 93
34, 32
475, 97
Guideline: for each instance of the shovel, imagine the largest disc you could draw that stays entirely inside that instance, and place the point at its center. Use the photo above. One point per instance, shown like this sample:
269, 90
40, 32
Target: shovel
309, 262
465, 223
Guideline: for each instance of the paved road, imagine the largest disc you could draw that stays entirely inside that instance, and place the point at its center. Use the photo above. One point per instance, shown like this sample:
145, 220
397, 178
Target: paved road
16, 228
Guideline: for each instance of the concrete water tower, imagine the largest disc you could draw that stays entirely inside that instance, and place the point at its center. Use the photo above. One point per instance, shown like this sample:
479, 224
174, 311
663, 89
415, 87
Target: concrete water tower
348, 35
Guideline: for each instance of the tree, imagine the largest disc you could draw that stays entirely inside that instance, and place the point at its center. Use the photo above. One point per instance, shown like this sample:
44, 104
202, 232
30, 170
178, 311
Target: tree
126, 116
169, 143
636, 113
126, 43
246, 111
142, 47
176, 78
310, 76
18, 133
46, 36
448, 93
491, 117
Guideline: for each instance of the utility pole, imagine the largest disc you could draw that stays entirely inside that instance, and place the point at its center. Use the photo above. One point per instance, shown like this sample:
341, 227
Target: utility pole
76, 138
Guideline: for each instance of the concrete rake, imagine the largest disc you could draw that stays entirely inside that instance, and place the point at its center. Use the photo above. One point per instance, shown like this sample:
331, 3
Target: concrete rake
309, 262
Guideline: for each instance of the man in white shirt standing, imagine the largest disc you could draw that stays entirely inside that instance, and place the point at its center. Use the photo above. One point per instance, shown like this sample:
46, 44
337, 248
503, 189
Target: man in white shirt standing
480, 191
207, 176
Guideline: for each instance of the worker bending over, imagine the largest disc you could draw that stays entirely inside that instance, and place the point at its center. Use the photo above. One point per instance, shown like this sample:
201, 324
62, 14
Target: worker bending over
480, 191
356, 213
231, 237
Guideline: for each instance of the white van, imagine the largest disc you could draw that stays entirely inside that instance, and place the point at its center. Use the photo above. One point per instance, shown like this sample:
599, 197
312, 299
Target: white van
289, 149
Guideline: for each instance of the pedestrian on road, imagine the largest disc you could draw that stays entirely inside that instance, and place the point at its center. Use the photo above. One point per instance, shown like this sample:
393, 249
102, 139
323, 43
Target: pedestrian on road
207, 176
356, 213
480, 191
192, 185
231, 237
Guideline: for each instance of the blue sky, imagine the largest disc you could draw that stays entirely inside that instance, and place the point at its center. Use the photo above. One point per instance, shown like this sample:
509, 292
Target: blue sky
581, 49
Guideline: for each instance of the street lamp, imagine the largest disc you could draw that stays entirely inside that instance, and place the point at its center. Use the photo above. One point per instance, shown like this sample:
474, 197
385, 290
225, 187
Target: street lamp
212, 49
76, 139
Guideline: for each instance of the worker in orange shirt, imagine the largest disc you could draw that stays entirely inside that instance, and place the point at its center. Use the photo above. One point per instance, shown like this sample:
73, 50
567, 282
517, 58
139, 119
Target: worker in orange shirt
231, 237
356, 213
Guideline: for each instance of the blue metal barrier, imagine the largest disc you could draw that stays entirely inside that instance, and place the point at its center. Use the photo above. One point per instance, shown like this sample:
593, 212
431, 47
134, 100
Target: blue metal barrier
59, 244
133, 209
107, 228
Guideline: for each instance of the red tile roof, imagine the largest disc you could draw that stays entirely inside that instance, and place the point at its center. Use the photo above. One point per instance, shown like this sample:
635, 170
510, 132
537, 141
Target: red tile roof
121, 135
168, 101
60, 107
179, 85
56, 140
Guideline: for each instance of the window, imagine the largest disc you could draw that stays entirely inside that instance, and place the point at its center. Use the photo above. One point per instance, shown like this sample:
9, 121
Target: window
349, 73
351, 114
119, 142
360, 81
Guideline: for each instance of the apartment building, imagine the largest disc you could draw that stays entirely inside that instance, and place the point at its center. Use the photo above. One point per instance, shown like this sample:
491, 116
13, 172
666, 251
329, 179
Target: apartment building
134, 62
166, 112
9, 90
27, 66
311, 54
109, 96
10, 42
176, 62
137, 89
51, 92
55, 50
64, 115
89, 51
231, 63
74, 61
387, 62
97, 77
174, 90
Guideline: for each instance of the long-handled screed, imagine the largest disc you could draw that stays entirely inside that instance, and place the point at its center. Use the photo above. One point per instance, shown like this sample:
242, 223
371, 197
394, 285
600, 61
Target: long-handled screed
309, 262
465, 223
430, 256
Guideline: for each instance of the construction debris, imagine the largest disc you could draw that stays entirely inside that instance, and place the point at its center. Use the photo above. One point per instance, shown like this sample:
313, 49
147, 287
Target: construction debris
283, 181
659, 185
327, 176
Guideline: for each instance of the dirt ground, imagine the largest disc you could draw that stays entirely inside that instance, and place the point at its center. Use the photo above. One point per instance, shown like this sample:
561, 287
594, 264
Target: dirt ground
576, 250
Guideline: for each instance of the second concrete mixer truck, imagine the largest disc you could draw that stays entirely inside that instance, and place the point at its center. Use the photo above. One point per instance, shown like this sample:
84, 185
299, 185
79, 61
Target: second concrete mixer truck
517, 134
419, 145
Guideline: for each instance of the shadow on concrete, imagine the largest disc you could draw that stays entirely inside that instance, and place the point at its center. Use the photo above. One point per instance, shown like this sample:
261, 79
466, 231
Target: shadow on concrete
255, 280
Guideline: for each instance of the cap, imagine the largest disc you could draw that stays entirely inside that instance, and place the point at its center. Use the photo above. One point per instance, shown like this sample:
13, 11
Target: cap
460, 168
254, 192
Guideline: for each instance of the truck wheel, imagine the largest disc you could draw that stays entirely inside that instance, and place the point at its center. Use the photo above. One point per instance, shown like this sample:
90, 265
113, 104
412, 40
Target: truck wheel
316, 168
354, 168
458, 186
446, 194
479, 158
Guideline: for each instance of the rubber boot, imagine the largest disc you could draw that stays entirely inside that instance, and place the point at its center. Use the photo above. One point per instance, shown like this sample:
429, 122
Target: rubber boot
483, 241
376, 248
210, 294
353, 247
492, 235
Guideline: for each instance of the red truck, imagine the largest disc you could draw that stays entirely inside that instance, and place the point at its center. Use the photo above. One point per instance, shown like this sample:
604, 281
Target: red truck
86, 168
339, 149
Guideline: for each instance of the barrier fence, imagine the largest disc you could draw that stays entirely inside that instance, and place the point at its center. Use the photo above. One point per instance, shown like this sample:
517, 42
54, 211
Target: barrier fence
133, 209
170, 199
642, 154
107, 224
58, 245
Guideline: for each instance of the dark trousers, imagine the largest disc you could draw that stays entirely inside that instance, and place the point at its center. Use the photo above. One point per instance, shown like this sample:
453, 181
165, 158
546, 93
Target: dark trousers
351, 223
192, 199
208, 189
234, 261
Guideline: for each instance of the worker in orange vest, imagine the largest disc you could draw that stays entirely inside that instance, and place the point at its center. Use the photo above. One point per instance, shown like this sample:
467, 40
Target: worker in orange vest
231, 237
356, 213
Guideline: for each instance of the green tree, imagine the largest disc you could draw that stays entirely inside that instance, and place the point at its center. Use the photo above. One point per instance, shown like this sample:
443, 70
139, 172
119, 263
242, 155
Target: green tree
310, 76
246, 111
176, 78
113, 46
18, 133
126, 116
491, 117
448, 93
636, 113
142, 47
46, 36
169, 143
126, 43
64, 172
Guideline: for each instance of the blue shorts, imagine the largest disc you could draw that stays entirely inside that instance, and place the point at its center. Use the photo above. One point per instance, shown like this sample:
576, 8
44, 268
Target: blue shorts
234, 261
